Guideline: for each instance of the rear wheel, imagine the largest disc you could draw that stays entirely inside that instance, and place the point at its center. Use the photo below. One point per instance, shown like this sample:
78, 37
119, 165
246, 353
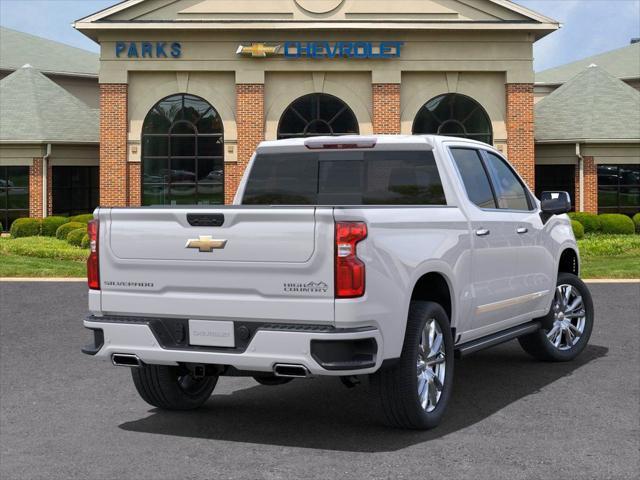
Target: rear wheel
172, 388
414, 393
567, 327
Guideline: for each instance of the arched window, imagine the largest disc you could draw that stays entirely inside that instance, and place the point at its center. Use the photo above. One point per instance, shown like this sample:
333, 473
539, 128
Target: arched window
454, 115
182, 153
317, 114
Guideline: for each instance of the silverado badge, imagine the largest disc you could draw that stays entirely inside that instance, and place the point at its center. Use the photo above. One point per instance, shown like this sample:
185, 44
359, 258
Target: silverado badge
205, 243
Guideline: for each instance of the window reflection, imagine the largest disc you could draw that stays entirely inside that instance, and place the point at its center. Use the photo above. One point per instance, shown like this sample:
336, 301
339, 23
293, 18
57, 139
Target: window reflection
182, 151
454, 115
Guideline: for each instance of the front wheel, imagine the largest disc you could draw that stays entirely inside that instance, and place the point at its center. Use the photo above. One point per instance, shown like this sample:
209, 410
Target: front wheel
414, 393
567, 327
172, 388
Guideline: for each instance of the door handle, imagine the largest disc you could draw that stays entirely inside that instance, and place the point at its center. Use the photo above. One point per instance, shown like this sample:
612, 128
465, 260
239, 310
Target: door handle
482, 232
522, 230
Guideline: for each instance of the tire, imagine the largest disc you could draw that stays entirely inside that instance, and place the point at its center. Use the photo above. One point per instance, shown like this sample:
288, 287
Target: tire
271, 380
398, 386
568, 325
172, 388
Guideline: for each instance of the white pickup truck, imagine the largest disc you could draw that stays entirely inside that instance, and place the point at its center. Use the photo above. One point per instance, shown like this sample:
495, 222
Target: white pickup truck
383, 256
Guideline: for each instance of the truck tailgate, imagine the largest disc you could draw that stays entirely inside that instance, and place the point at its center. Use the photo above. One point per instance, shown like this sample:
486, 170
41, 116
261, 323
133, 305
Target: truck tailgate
261, 264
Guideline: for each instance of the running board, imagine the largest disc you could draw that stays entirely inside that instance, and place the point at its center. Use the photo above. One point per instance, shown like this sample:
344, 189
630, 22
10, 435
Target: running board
465, 349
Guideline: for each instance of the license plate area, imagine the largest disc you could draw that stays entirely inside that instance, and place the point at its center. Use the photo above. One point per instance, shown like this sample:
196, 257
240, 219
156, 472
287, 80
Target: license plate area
211, 333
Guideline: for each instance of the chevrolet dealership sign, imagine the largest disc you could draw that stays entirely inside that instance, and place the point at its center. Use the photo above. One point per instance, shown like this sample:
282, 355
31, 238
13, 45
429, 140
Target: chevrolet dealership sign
322, 49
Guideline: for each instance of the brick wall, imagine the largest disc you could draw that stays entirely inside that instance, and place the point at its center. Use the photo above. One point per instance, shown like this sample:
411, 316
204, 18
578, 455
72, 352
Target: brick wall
113, 145
590, 186
250, 124
134, 198
386, 108
520, 141
35, 188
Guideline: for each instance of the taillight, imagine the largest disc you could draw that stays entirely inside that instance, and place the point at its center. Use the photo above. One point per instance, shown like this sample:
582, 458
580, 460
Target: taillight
349, 268
93, 263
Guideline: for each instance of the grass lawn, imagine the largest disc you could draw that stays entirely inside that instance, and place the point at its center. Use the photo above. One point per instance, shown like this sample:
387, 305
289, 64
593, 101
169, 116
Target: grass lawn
23, 266
603, 256
41, 257
610, 256
620, 266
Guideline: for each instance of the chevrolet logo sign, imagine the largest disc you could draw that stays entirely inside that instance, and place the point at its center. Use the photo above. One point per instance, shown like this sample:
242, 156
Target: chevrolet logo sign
205, 243
259, 50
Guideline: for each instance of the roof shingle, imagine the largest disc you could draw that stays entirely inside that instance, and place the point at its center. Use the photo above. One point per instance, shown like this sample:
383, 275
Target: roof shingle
592, 106
622, 63
18, 48
33, 108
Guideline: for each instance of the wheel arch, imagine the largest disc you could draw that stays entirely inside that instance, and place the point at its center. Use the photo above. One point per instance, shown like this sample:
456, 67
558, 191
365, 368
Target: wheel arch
569, 261
435, 286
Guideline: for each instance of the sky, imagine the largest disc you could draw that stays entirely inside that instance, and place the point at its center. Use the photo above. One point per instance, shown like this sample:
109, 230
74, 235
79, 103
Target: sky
589, 26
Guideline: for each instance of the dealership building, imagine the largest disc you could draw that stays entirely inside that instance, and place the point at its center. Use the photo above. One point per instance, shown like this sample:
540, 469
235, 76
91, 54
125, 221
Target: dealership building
188, 88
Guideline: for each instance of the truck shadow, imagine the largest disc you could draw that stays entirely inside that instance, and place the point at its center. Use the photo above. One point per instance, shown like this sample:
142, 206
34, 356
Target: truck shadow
321, 414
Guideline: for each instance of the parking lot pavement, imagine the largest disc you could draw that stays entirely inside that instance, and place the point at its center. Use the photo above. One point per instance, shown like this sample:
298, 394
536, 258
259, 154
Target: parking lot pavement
65, 415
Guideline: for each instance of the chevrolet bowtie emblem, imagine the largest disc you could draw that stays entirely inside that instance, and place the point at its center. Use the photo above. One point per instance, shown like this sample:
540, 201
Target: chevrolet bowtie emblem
205, 243
259, 50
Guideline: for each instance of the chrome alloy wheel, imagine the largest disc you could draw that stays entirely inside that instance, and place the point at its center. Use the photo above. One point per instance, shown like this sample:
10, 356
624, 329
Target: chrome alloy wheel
431, 366
569, 317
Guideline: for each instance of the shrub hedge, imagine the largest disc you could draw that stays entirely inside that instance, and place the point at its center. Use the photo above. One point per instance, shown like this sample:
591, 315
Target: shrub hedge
578, 229
25, 227
44, 247
64, 230
636, 221
51, 224
616, 223
85, 241
84, 218
590, 221
75, 236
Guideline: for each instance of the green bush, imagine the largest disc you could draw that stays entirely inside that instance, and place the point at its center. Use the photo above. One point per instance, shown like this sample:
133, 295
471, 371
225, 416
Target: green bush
636, 221
85, 241
84, 218
578, 229
51, 224
589, 221
64, 230
75, 236
25, 227
616, 223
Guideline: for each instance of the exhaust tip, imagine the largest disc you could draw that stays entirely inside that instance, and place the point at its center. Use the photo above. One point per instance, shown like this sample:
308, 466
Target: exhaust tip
290, 371
125, 360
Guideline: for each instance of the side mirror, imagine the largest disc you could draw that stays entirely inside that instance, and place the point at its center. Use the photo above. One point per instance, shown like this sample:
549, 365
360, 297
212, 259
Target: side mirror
555, 203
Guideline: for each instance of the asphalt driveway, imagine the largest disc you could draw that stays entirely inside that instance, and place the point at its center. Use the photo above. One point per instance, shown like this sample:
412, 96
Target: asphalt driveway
65, 415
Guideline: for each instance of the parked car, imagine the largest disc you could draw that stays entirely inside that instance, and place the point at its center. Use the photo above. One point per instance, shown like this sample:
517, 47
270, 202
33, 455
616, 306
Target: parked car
343, 256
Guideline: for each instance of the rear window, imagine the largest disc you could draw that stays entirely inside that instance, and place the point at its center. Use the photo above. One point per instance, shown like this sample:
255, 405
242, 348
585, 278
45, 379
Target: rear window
345, 178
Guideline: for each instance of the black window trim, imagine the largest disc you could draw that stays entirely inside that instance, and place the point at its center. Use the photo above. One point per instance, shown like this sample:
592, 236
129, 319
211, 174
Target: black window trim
480, 150
4, 213
243, 186
318, 97
469, 136
619, 207
530, 203
169, 135
89, 189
